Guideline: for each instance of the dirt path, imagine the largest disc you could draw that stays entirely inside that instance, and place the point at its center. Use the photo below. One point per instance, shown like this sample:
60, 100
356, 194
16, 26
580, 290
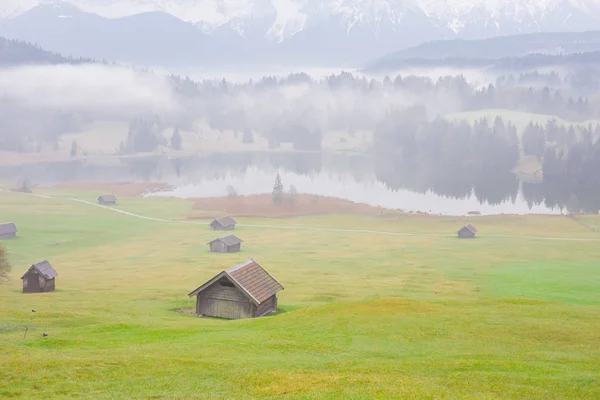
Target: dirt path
323, 229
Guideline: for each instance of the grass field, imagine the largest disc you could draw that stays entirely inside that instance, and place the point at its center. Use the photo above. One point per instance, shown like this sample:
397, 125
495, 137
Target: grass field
363, 315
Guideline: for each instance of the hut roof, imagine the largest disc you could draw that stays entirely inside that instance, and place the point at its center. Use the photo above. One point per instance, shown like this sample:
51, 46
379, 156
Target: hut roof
469, 227
230, 240
250, 278
225, 221
8, 227
108, 197
44, 268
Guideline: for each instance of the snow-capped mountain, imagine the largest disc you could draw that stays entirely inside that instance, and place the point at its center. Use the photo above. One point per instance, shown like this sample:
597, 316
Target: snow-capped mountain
315, 31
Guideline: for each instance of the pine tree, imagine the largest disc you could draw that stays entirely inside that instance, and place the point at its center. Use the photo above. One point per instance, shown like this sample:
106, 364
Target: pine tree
74, 149
278, 190
176, 139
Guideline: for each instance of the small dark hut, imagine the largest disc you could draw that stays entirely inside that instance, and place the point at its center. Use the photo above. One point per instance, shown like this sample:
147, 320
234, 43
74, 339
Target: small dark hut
40, 278
244, 291
8, 230
223, 224
107, 199
467, 232
227, 244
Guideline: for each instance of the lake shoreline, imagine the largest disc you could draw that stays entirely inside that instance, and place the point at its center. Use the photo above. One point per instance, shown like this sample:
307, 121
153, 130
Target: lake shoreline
359, 179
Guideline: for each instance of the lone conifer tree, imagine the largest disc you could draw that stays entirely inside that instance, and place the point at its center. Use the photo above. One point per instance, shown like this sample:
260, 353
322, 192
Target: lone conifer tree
176, 139
278, 190
74, 149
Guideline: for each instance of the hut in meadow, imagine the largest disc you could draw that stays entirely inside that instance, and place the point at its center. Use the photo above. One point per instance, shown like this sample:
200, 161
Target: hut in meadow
8, 230
223, 224
244, 291
40, 278
467, 232
227, 244
107, 199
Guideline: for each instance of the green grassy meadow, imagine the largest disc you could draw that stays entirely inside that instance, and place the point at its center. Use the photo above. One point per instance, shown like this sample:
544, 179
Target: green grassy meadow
363, 315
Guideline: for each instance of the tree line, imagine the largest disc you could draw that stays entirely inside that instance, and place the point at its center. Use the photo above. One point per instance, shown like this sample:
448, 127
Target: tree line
458, 158
297, 109
17, 52
584, 81
358, 103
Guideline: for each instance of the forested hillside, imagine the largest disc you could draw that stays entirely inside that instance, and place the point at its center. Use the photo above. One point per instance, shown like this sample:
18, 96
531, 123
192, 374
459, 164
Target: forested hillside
14, 52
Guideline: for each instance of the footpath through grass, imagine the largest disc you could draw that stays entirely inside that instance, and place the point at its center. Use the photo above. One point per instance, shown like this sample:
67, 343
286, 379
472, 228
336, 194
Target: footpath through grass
363, 315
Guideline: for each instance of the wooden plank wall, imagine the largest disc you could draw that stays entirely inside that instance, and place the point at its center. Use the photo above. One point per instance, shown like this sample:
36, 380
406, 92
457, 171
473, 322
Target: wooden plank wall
267, 307
218, 247
224, 302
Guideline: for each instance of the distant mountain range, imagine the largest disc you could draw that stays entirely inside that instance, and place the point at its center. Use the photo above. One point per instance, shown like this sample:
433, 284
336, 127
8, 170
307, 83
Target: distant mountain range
309, 32
528, 50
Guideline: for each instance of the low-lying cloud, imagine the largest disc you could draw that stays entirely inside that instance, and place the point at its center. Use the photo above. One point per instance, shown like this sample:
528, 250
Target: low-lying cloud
88, 88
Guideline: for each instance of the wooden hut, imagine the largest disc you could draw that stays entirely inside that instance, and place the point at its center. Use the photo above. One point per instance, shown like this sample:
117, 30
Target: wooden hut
40, 278
107, 199
227, 244
244, 291
467, 232
8, 230
223, 224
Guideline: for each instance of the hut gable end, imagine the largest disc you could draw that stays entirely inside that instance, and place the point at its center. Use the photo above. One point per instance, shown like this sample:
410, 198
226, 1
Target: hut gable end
107, 199
8, 230
39, 278
222, 298
244, 291
230, 240
224, 289
467, 231
43, 268
223, 223
227, 244
250, 278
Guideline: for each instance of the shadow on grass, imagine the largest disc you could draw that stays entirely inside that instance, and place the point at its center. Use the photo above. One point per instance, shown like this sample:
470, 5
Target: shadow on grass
59, 291
191, 312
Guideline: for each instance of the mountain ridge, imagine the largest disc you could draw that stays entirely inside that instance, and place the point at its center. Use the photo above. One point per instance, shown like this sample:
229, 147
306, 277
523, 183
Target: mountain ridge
275, 31
212, 14
498, 51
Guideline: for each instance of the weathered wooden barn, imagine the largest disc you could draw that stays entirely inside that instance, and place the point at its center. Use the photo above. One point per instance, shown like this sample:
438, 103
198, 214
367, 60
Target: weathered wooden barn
107, 199
244, 291
467, 232
8, 230
40, 278
223, 224
227, 244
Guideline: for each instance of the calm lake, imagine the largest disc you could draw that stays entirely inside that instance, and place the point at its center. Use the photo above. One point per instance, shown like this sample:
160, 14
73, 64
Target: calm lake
353, 177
